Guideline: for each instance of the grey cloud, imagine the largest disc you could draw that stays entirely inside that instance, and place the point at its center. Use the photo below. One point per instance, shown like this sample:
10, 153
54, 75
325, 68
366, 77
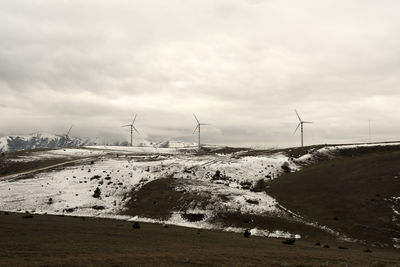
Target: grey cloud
243, 66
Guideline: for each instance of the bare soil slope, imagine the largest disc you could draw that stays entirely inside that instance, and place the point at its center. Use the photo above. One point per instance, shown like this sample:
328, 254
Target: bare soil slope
352, 193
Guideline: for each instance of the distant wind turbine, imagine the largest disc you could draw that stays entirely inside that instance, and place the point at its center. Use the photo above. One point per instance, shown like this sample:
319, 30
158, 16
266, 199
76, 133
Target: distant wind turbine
198, 127
132, 127
369, 130
301, 122
67, 136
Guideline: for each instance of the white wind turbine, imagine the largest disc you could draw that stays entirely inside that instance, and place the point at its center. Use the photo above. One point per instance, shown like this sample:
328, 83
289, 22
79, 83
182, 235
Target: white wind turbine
301, 122
198, 126
132, 127
67, 136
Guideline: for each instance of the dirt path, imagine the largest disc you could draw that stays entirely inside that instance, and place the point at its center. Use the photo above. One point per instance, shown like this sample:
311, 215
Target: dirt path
14, 175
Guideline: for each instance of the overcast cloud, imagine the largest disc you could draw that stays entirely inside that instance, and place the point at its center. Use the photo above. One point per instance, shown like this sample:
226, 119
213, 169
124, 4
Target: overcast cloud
243, 66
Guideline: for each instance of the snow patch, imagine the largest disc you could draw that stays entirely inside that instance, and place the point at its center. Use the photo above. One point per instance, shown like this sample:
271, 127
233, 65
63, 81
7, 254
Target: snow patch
176, 219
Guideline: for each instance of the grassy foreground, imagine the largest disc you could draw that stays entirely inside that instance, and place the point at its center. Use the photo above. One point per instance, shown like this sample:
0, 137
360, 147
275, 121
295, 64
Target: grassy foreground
58, 240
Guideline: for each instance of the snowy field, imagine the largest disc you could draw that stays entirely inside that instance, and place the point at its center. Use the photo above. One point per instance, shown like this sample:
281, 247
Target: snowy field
71, 190
68, 153
100, 188
140, 149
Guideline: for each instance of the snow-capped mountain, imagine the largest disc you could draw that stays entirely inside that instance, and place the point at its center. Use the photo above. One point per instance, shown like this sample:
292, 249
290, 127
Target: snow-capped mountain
174, 144
135, 142
11, 143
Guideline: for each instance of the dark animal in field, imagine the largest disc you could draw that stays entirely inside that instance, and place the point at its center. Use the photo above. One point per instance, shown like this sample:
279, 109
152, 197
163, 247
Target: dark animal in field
290, 241
247, 233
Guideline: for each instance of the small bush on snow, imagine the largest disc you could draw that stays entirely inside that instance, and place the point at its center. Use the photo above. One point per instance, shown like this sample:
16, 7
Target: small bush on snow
97, 193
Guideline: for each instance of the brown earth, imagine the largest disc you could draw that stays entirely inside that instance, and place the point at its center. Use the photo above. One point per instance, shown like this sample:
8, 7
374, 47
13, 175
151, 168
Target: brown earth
158, 198
72, 241
350, 193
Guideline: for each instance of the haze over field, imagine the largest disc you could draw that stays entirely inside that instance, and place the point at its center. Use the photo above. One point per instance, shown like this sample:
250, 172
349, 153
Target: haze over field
243, 66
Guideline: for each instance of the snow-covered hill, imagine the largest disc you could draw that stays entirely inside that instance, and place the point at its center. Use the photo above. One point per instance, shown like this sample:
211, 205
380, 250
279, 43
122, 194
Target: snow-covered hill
102, 185
212, 186
12, 143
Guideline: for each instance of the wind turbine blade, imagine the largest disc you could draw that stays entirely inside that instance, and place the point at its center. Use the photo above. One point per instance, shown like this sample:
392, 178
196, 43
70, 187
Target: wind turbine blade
196, 118
297, 128
297, 115
126, 125
134, 119
307, 122
69, 130
135, 129
205, 124
196, 128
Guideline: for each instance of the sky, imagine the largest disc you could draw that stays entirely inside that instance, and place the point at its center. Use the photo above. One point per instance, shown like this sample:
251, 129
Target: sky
243, 66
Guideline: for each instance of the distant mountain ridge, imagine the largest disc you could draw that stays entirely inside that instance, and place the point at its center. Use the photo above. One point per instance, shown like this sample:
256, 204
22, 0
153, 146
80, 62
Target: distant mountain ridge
174, 144
12, 143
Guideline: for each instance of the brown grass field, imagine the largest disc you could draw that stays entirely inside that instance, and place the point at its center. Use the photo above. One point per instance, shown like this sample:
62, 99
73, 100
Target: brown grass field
72, 241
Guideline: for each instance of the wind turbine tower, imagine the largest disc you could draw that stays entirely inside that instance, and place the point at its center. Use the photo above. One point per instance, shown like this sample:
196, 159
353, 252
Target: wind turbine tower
132, 127
67, 136
198, 127
301, 122
369, 130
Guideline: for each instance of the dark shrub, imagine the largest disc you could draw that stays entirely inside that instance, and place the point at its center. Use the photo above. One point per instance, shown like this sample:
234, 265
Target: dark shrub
96, 177
247, 233
187, 171
252, 201
246, 185
285, 167
193, 217
69, 210
136, 225
97, 193
217, 175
